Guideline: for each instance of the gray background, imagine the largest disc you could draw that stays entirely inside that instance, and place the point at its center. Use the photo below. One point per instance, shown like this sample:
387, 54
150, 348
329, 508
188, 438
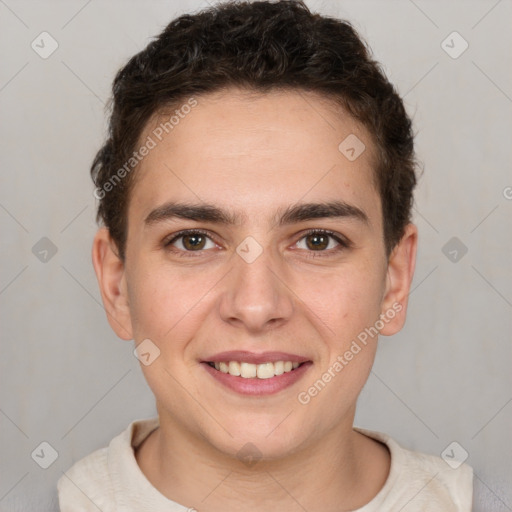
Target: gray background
66, 378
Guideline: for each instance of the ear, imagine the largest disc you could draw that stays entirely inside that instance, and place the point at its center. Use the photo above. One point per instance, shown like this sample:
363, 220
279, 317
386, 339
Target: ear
398, 281
110, 273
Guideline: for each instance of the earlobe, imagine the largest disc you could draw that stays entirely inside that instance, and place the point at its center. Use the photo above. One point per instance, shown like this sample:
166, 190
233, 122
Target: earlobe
399, 277
110, 273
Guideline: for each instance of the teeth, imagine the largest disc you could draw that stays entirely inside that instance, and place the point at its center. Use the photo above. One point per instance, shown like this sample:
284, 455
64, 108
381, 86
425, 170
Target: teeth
260, 371
265, 370
247, 370
278, 368
234, 368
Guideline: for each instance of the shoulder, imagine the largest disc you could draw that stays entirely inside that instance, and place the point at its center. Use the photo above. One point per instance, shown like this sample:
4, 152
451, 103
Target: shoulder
94, 482
423, 481
443, 485
87, 484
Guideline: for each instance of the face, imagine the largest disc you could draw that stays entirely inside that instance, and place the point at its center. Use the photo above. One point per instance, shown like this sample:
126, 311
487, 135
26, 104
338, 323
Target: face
255, 245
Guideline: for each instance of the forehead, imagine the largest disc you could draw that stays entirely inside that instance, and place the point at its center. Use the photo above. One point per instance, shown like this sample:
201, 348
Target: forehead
253, 153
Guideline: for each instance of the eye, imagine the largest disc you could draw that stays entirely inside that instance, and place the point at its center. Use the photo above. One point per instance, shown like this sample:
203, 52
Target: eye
323, 241
316, 241
191, 241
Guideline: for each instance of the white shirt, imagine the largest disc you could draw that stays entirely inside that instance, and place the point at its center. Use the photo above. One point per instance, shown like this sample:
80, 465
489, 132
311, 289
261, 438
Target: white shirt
110, 479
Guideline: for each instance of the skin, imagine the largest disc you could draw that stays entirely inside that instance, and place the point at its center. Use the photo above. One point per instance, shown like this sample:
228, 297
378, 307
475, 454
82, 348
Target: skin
253, 154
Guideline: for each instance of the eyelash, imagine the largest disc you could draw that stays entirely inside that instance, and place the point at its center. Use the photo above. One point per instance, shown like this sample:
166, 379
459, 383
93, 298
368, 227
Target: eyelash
343, 243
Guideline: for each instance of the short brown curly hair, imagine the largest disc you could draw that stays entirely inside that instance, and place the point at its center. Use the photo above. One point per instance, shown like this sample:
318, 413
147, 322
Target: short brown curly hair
260, 46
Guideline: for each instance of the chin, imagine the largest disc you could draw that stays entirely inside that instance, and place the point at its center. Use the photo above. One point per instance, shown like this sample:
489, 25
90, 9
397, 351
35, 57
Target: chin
265, 440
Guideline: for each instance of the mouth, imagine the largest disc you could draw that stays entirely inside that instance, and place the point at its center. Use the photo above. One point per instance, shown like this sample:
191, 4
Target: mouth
251, 374
247, 370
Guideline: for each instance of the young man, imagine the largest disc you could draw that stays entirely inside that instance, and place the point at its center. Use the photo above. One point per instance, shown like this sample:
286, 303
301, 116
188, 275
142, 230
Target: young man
255, 192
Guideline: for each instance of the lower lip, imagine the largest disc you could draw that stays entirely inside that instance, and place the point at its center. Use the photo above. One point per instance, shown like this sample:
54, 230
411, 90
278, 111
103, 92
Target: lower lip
257, 386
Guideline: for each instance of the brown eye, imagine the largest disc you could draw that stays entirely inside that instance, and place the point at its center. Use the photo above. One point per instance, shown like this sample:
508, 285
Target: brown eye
318, 241
321, 241
193, 242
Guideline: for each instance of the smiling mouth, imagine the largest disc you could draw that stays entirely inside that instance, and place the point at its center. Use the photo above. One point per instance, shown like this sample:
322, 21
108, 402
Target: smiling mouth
255, 371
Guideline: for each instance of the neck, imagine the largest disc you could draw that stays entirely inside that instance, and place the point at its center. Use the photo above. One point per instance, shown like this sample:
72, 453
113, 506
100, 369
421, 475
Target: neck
325, 475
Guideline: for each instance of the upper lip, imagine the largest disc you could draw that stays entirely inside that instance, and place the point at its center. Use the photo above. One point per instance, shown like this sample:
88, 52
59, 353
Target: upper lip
254, 358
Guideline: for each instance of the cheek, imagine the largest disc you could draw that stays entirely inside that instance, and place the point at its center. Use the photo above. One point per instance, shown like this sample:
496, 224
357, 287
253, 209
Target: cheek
165, 303
155, 304
348, 303
345, 301
165, 309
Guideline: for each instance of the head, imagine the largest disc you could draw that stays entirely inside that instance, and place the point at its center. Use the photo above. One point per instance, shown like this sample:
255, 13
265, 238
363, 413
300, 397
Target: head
270, 133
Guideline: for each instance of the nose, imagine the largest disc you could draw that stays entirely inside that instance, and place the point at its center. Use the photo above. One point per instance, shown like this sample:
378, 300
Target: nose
255, 296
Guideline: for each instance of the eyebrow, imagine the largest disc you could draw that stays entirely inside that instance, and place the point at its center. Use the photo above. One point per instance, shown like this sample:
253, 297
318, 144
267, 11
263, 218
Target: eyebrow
283, 216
